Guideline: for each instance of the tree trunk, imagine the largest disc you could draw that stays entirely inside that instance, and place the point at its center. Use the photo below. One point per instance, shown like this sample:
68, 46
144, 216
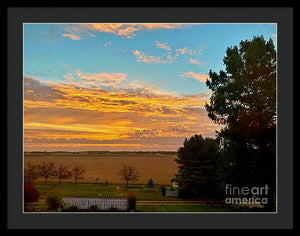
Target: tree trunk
45, 180
60, 180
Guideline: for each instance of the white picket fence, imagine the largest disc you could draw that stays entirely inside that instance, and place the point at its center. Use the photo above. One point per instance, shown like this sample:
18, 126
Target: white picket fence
171, 193
101, 203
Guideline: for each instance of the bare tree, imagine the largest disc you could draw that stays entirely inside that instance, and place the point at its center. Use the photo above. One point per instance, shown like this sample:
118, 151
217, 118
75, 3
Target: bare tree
78, 173
31, 173
63, 172
128, 174
47, 170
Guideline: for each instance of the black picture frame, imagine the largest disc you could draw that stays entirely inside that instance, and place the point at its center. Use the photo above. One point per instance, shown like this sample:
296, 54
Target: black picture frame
17, 15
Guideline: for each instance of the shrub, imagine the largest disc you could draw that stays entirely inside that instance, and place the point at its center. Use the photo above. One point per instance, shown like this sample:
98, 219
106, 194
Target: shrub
93, 208
131, 200
163, 190
106, 183
54, 201
30, 193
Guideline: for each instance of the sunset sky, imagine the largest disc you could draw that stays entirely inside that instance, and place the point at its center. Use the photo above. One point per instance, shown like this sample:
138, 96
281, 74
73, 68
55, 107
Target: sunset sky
115, 87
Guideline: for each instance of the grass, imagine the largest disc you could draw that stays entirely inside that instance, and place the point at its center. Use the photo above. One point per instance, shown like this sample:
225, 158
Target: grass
144, 194
180, 208
92, 190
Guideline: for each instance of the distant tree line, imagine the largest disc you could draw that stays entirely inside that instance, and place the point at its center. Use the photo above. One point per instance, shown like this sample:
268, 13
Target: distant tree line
243, 102
50, 171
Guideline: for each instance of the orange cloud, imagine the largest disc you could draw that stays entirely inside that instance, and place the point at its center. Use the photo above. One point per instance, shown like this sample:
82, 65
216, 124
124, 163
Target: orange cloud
126, 30
59, 115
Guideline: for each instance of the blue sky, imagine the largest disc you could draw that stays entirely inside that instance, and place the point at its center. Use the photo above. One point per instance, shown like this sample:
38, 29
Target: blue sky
46, 50
122, 86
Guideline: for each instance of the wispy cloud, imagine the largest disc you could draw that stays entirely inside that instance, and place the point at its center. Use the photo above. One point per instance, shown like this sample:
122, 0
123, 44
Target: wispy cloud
196, 62
102, 78
72, 36
107, 44
196, 76
142, 57
164, 46
189, 51
77, 77
274, 35
170, 56
125, 31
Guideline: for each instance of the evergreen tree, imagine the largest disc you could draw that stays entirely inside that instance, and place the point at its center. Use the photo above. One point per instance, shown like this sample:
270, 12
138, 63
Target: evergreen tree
198, 174
244, 101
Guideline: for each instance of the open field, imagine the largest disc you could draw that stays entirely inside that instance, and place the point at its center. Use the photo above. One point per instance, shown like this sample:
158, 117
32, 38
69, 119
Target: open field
158, 166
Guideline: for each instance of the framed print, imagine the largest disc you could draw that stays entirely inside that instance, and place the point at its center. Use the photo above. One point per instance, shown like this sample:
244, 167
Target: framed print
126, 118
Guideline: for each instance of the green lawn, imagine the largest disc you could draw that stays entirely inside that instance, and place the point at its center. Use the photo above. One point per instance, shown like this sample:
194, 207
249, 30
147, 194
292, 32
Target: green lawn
179, 208
92, 190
